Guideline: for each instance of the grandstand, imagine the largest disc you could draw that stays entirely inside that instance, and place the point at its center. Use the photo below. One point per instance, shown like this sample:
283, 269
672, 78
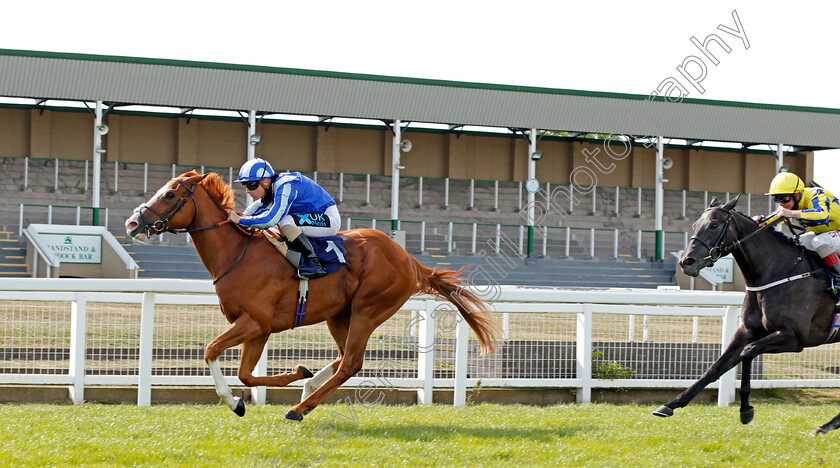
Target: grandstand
568, 256
461, 195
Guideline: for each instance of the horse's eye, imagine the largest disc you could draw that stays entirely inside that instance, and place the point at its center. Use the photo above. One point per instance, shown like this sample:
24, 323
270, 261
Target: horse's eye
170, 195
714, 225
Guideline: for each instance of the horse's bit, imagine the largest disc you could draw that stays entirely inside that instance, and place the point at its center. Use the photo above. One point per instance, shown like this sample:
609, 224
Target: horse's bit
161, 224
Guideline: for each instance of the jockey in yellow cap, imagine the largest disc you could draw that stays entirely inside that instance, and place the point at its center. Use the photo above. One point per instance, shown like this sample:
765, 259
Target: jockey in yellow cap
817, 210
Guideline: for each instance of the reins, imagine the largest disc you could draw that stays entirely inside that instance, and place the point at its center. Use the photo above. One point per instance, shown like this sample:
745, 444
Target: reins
718, 251
161, 224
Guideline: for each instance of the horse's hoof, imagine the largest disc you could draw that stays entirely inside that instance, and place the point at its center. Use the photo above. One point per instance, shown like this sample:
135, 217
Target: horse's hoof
747, 416
293, 415
307, 374
663, 412
240, 408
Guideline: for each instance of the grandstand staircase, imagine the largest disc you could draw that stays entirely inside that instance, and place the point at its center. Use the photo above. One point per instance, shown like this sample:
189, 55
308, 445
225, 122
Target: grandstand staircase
12, 256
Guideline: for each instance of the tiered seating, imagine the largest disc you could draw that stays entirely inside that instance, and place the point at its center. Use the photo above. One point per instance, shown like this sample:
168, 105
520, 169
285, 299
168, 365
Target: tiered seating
123, 188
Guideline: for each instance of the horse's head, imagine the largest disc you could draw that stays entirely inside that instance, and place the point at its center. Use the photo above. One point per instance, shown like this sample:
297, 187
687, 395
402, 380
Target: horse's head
168, 209
712, 232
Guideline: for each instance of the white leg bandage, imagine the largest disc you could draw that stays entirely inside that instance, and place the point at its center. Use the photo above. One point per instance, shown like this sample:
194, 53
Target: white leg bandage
222, 388
316, 381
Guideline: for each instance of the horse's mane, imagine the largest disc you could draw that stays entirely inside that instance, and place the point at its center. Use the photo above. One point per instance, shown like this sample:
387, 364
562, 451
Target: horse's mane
779, 236
218, 190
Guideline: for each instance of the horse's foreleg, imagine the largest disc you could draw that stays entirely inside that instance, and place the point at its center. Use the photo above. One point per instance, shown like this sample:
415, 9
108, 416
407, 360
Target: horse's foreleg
747, 411
223, 390
726, 361
244, 329
829, 426
780, 341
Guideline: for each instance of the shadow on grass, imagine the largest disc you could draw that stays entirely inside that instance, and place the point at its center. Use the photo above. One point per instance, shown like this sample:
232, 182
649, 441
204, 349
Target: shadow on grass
427, 432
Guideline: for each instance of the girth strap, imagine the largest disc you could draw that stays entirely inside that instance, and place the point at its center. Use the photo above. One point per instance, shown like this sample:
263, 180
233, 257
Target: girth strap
302, 298
835, 326
781, 281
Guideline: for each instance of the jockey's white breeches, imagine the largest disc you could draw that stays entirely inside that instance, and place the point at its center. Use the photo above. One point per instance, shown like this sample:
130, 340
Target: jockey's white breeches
316, 231
823, 244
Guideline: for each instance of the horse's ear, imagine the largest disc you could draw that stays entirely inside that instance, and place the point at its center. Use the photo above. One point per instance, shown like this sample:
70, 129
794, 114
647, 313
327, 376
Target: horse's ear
197, 178
714, 202
731, 203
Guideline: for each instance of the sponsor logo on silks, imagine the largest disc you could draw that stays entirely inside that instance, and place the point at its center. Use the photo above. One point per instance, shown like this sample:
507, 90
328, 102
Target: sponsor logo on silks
311, 219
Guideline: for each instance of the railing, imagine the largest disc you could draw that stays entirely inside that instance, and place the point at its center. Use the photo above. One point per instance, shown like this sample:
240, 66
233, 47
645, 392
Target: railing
44, 214
596, 199
152, 333
566, 242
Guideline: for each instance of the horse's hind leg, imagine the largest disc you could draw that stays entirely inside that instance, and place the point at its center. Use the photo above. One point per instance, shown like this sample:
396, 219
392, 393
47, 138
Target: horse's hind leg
726, 361
338, 326
251, 352
747, 411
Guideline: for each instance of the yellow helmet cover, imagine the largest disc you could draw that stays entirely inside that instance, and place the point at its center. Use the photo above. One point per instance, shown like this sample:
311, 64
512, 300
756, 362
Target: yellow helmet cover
784, 183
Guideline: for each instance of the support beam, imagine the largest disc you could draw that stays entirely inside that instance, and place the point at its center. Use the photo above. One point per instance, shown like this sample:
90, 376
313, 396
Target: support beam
97, 160
395, 176
252, 129
780, 157
660, 151
532, 171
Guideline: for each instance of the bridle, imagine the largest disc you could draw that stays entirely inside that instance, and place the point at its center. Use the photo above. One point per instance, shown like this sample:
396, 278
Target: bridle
719, 250
161, 224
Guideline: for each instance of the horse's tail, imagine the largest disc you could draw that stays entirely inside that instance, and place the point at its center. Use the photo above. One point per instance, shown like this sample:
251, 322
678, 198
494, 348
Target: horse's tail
473, 309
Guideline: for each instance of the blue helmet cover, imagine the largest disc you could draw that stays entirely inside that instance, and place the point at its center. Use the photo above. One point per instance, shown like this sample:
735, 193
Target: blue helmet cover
255, 169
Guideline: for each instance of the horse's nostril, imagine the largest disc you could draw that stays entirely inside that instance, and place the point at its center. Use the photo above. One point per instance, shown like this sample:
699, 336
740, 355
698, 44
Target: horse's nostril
688, 261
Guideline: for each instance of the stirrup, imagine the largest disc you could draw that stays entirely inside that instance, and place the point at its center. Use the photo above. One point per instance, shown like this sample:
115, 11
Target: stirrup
319, 272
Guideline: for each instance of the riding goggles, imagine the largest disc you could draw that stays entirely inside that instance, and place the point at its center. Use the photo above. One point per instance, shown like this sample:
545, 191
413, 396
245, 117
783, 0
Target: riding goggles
251, 185
782, 198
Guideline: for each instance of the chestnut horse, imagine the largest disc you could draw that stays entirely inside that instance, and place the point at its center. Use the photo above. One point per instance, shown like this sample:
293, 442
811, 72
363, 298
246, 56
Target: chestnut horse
258, 294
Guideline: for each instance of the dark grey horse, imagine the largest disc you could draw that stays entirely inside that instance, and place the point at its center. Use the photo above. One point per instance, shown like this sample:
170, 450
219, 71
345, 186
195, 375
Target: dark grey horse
786, 317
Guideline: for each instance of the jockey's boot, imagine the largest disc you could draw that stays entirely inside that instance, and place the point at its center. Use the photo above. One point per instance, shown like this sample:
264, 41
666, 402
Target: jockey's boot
302, 244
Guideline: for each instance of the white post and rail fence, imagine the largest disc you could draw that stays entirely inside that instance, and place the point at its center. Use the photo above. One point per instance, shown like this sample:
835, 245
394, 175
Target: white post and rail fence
146, 333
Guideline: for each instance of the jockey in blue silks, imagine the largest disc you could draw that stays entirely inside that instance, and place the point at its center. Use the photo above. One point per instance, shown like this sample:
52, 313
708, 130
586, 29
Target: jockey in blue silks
300, 207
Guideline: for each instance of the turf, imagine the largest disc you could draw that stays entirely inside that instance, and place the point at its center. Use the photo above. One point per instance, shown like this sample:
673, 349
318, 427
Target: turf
482, 435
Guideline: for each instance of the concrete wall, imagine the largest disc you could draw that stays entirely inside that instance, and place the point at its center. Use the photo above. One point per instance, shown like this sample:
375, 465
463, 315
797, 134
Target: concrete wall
169, 139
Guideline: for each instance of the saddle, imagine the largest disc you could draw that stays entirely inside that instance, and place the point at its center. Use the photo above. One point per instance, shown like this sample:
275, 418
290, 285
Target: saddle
330, 250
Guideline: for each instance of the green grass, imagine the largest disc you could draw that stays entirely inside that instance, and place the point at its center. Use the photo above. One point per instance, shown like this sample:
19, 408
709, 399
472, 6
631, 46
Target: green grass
485, 435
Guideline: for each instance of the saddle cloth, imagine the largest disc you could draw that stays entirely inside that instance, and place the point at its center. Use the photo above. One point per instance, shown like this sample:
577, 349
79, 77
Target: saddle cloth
330, 250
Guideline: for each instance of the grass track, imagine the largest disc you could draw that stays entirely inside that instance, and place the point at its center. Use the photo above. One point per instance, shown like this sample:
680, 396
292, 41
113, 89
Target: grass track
484, 435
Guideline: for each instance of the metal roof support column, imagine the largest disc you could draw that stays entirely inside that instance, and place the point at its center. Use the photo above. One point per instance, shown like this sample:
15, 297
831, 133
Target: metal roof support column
395, 177
252, 129
779, 157
97, 161
532, 171
660, 196
252, 146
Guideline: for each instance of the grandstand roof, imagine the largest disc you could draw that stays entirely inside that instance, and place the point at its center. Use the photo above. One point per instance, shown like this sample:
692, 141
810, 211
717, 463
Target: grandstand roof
187, 84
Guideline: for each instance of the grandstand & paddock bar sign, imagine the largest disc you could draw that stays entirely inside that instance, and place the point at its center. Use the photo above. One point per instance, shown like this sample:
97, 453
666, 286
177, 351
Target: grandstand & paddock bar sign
74, 248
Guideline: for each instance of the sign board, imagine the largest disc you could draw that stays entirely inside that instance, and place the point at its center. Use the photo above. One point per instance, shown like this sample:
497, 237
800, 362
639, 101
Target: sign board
74, 248
724, 269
